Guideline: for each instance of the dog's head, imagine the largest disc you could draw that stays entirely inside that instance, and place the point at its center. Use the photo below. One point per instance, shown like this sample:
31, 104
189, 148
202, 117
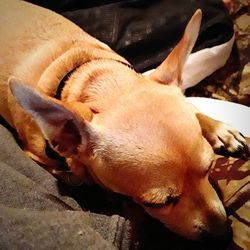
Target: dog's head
147, 144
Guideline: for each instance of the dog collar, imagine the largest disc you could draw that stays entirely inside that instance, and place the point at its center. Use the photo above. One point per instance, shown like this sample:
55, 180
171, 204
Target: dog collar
67, 76
66, 62
62, 83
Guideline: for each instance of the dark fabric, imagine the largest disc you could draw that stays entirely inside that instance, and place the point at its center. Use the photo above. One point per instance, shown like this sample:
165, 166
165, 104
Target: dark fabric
36, 212
144, 31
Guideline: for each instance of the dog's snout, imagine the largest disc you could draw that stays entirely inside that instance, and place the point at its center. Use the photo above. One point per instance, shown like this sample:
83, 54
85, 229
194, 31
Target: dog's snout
221, 241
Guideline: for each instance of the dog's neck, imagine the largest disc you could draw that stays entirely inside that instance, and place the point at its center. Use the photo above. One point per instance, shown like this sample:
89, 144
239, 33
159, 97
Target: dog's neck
68, 59
97, 82
83, 68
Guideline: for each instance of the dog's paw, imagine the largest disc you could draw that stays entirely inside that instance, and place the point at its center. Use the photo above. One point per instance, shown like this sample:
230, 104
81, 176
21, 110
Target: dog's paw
227, 141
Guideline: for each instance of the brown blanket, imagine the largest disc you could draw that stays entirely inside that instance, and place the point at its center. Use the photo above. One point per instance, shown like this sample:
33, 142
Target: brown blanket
233, 178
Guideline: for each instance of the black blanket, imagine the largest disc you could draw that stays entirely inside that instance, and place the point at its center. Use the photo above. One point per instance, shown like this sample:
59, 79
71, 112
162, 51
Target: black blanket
144, 31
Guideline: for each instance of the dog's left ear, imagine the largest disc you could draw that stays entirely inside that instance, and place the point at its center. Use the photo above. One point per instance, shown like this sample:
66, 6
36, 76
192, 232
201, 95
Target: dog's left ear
65, 130
170, 71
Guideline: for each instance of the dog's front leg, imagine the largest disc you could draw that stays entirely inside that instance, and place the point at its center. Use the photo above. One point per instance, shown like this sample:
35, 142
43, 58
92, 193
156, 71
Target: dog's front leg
223, 138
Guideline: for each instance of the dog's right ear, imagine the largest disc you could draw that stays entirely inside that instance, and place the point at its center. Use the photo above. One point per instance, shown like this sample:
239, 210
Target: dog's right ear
66, 132
170, 71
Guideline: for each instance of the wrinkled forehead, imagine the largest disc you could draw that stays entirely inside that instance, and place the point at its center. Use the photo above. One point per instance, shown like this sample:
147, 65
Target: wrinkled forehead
146, 140
151, 142
151, 121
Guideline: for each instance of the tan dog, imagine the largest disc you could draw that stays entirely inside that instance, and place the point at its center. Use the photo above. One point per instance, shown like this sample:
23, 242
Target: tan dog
134, 135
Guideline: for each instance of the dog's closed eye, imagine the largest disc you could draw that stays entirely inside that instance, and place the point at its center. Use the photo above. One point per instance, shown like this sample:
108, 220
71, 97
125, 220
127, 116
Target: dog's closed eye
170, 200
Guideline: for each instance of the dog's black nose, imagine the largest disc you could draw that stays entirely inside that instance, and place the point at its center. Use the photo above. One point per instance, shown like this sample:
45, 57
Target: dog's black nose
220, 236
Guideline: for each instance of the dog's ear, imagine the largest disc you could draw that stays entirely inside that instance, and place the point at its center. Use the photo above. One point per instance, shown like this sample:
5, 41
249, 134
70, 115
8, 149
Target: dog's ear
170, 71
64, 129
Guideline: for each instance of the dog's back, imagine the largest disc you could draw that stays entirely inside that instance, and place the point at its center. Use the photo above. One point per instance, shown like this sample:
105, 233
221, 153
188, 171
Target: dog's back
38, 47
31, 39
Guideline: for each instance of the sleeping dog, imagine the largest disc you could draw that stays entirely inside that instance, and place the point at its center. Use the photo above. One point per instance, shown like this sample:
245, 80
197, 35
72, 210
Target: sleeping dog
135, 135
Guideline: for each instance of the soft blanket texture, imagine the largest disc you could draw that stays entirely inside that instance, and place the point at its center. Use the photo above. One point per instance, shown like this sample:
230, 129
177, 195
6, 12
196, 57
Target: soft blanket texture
36, 213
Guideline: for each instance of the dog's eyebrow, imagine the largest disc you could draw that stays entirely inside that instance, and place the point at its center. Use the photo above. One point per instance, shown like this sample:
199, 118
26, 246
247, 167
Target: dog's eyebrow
170, 200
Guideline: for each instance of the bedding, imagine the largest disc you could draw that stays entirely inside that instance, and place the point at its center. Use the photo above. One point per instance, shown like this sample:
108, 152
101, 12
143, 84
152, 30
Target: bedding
37, 212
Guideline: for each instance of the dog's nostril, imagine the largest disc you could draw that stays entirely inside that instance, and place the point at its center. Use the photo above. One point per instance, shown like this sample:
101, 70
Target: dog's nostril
199, 228
204, 234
